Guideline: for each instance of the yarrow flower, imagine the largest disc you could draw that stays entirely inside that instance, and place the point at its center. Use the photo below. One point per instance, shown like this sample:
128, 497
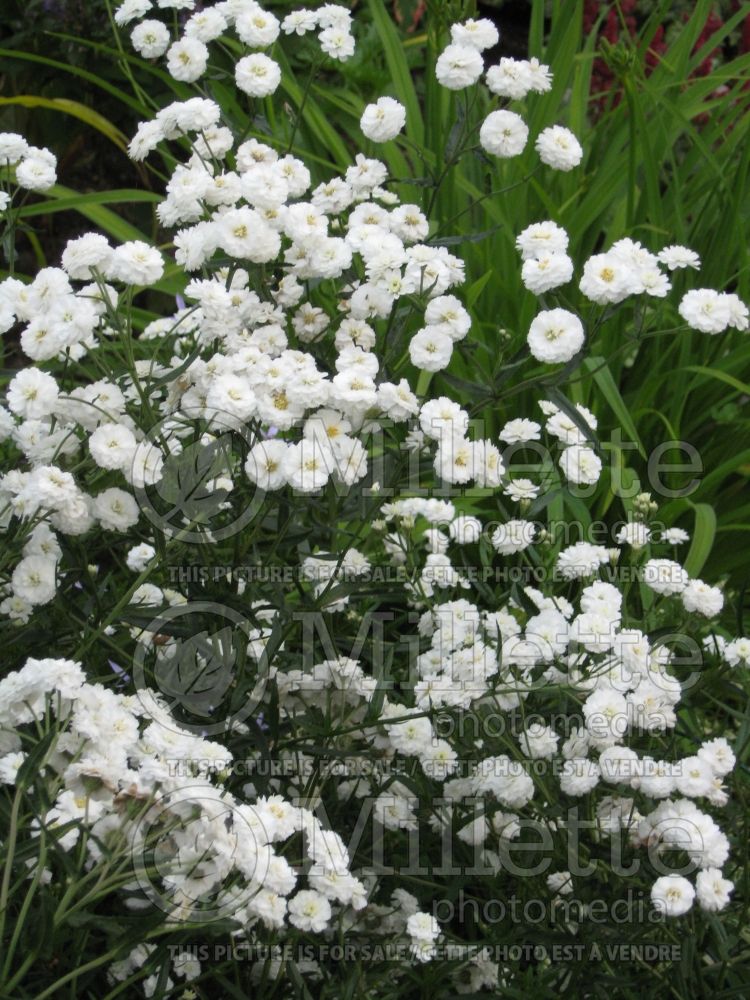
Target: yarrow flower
383, 120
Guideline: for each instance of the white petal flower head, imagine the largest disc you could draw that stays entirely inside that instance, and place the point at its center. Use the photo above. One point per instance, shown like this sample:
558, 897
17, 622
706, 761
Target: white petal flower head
555, 336
510, 78
256, 27
700, 597
541, 274
81, 255
257, 75
607, 278
13, 147
541, 238
36, 172
337, 42
150, 39
672, 895
580, 465
665, 576
737, 652
459, 66
676, 256
634, 533
32, 394
383, 120
430, 349
33, 579
519, 431
503, 134
559, 148
309, 911
477, 34
706, 310
514, 536
713, 891
135, 263
187, 60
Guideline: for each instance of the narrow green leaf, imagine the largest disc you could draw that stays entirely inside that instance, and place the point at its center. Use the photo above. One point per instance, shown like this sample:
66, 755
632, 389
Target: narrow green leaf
606, 383
77, 110
704, 533
398, 67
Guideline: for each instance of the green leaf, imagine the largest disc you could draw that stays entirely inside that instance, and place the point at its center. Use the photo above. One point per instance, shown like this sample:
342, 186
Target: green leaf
721, 376
77, 110
606, 383
704, 533
119, 196
398, 67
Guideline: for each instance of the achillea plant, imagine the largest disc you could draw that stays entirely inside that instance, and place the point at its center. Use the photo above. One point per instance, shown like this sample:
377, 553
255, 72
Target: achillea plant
308, 661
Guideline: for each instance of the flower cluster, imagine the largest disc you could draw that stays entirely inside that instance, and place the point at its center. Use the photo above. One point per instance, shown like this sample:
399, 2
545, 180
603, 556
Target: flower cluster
281, 409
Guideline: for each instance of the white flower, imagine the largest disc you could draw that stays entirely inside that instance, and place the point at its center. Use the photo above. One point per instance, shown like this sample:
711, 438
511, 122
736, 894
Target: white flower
634, 533
606, 278
265, 464
86, 252
383, 120
337, 42
579, 776
422, 927
737, 652
36, 172
33, 579
299, 22
665, 576
540, 274
503, 133
555, 336
480, 35
519, 431
674, 536
538, 741
580, 465
521, 489
257, 28
672, 895
694, 777
713, 891
514, 536
13, 147
541, 238
465, 530
32, 394
560, 882
447, 313
677, 256
459, 66
309, 911
582, 559
430, 349
510, 78
308, 466
257, 75
139, 557
187, 60
135, 263
559, 148
112, 446
150, 39
442, 417
115, 509
706, 310
702, 598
